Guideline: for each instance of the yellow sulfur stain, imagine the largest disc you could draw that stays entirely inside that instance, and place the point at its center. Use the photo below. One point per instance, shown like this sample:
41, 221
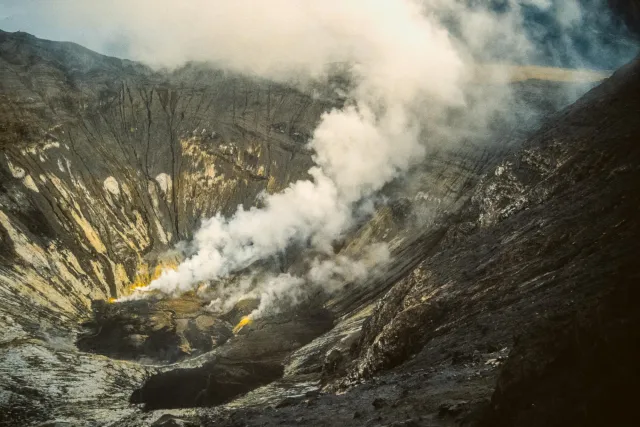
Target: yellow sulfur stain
272, 185
145, 276
246, 320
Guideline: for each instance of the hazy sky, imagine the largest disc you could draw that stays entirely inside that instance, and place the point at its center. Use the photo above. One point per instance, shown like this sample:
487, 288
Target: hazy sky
564, 36
35, 17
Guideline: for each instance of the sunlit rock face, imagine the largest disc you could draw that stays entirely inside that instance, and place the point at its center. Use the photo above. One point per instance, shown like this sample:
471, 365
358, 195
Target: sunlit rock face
105, 164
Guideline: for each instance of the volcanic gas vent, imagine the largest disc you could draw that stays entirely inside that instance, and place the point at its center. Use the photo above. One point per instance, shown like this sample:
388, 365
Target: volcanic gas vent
145, 275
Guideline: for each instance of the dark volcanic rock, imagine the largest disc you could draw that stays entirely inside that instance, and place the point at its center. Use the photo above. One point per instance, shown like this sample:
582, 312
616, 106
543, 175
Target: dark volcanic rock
251, 359
171, 421
532, 288
531, 253
214, 383
580, 369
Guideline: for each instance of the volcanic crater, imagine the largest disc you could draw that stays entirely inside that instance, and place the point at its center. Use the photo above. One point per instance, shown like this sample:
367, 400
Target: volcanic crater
510, 304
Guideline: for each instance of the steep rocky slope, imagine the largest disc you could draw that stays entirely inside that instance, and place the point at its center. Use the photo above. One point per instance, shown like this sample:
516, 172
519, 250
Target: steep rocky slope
106, 164
521, 313
110, 162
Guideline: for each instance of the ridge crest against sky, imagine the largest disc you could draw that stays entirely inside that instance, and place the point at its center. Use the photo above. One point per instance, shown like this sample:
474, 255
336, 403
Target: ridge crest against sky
569, 33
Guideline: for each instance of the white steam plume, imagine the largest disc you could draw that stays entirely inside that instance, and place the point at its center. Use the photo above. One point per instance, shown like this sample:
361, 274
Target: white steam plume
399, 59
407, 70
286, 289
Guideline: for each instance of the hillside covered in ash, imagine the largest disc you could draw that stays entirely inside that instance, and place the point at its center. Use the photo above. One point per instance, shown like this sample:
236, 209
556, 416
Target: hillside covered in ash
491, 283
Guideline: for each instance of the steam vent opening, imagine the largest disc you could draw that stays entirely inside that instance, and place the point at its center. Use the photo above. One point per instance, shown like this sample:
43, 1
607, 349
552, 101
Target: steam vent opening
392, 213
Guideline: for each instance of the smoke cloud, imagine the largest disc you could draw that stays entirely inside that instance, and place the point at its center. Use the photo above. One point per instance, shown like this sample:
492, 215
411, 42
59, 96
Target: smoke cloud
399, 59
410, 62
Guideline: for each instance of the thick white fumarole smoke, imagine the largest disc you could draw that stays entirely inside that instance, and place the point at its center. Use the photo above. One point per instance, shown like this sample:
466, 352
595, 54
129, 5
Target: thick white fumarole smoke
286, 289
406, 67
400, 59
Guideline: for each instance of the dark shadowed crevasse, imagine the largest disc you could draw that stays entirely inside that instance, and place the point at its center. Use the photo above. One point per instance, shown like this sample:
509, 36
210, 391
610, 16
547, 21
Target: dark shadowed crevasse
251, 359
